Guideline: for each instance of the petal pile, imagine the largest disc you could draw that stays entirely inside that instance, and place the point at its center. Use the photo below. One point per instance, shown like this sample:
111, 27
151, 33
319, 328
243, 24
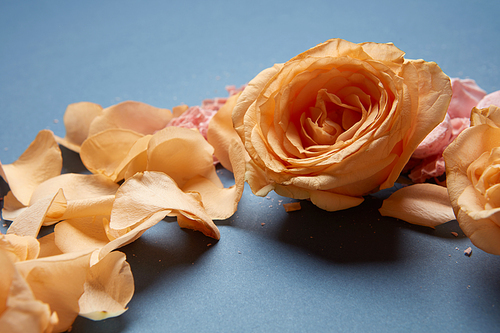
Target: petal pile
144, 167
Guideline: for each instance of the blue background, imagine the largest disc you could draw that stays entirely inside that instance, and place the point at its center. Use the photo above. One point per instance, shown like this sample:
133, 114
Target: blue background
307, 271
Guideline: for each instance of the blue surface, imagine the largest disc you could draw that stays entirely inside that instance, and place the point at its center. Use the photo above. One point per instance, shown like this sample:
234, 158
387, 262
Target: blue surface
306, 271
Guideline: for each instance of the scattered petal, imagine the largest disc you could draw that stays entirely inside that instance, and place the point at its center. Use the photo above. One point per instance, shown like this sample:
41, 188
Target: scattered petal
77, 121
423, 204
155, 194
292, 206
42, 160
108, 288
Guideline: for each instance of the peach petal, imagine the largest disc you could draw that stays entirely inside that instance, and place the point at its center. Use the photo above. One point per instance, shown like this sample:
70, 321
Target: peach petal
20, 311
58, 281
221, 132
422, 204
128, 236
42, 160
20, 248
334, 201
489, 116
182, 154
76, 187
11, 207
221, 203
135, 161
80, 234
77, 119
146, 194
108, 288
48, 246
29, 222
104, 152
136, 116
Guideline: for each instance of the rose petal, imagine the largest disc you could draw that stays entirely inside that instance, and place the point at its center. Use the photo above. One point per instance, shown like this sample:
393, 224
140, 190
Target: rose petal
466, 95
423, 204
182, 154
334, 201
144, 195
20, 311
108, 288
135, 161
48, 246
221, 203
42, 160
77, 119
20, 248
58, 281
29, 222
489, 116
433, 98
488, 100
221, 132
80, 234
136, 116
104, 152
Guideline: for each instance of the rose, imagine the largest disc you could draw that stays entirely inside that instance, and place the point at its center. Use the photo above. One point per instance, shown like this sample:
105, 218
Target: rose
427, 160
472, 178
338, 121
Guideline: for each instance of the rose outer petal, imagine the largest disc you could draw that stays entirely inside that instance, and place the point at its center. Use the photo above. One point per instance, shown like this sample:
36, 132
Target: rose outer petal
422, 204
221, 132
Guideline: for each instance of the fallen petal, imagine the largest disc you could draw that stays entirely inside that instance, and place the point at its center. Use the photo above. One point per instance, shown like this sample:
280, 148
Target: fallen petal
423, 204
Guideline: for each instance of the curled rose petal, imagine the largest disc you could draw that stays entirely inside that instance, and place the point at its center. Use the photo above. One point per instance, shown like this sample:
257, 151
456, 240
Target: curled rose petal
182, 154
423, 204
487, 116
221, 133
338, 121
436, 141
219, 202
105, 151
20, 248
20, 311
108, 288
58, 281
29, 222
81, 234
136, 116
156, 194
42, 160
77, 119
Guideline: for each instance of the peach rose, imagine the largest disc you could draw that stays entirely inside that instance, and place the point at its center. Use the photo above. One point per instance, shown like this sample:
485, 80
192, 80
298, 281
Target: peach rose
472, 173
338, 121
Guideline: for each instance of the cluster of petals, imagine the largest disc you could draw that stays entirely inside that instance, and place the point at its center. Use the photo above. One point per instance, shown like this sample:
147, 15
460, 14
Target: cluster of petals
142, 170
427, 161
472, 192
